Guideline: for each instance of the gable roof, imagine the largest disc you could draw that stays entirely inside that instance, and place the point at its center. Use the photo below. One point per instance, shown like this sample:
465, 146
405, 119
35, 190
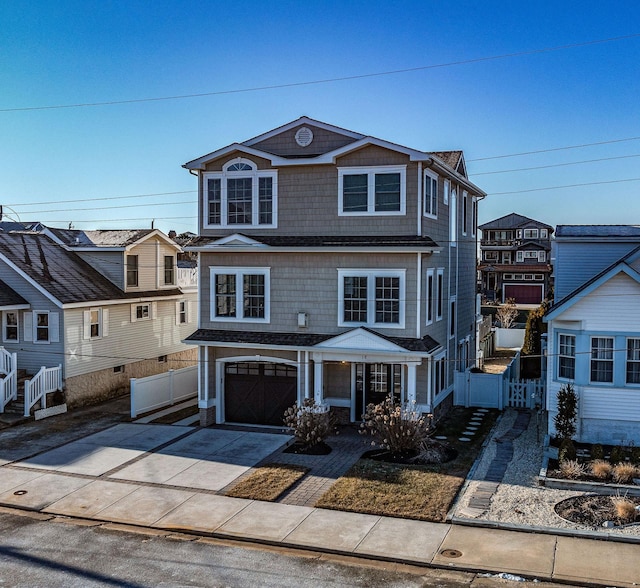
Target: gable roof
513, 221
60, 274
616, 268
9, 298
328, 155
116, 239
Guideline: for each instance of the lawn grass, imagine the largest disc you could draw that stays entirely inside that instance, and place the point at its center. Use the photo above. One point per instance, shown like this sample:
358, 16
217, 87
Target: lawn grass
268, 482
423, 492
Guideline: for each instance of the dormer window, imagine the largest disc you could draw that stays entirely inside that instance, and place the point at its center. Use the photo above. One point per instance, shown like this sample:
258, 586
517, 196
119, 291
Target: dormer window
240, 196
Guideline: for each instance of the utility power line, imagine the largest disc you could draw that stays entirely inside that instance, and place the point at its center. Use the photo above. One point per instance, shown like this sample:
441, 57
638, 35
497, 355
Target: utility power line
327, 80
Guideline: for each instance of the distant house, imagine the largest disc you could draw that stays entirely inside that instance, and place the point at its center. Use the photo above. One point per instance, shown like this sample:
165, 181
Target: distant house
335, 266
515, 259
594, 330
106, 305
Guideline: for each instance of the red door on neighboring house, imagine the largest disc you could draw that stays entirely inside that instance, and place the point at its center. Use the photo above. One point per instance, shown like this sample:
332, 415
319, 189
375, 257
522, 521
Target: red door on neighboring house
524, 293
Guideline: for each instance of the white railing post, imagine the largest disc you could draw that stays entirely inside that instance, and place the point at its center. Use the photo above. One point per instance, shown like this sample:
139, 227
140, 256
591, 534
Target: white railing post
27, 396
171, 386
132, 394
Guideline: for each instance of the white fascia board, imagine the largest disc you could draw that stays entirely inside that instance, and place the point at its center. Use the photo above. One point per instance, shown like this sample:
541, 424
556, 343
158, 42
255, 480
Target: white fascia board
302, 249
459, 179
201, 161
235, 237
10, 307
31, 281
414, 155
126, 301
303, 120
156, 233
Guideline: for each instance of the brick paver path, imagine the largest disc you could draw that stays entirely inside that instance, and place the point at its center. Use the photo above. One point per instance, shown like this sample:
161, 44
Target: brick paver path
481, 498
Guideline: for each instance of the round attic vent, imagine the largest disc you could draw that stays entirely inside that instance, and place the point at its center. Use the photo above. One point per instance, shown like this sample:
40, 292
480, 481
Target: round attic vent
304, 136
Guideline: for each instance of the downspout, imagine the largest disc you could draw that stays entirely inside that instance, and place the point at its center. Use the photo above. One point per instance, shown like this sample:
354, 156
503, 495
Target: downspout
419, 296
419, 207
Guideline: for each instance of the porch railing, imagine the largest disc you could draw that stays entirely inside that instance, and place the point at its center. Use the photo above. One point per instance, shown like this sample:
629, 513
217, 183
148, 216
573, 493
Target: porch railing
9, 378
47, 380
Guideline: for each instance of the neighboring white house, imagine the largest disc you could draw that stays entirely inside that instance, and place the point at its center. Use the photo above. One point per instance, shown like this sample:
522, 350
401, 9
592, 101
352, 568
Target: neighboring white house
594, 331
106, 305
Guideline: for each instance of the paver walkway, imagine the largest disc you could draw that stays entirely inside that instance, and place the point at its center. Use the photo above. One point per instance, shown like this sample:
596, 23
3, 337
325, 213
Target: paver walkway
481, 498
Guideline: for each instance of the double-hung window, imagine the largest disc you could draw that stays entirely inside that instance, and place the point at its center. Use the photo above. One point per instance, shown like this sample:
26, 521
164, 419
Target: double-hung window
10, 326
371, 297
241, 195
633, 361
602, 359
567, 356
439, 293
95, 323
430, 194
377, 190
132, 270
430, 295
169, 272
240, 294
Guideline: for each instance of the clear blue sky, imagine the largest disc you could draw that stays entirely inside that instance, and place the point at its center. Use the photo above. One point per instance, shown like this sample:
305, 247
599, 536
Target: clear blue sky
65, 53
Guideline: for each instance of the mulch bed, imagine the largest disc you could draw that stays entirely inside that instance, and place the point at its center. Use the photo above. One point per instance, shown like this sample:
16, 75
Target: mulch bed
592, 510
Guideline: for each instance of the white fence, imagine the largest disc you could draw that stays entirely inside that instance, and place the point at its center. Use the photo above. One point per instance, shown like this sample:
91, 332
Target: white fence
9, 380
509, 338
163, 389
47, 380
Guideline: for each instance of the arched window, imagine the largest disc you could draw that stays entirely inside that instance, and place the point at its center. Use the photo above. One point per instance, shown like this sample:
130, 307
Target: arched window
240, 196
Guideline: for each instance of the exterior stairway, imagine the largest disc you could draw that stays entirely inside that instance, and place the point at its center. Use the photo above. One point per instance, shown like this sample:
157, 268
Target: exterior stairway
14, 411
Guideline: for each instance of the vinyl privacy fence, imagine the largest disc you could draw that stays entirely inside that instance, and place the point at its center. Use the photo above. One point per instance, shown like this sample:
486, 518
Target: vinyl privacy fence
164, 389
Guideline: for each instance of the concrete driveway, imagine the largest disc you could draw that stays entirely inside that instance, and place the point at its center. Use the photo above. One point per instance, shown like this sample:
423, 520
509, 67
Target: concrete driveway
207, 459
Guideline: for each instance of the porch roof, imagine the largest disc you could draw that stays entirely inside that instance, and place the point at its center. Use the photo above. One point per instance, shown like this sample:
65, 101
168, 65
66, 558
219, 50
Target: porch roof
296, 340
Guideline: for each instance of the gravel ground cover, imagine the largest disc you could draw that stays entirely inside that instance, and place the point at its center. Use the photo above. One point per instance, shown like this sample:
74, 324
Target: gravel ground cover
519, 499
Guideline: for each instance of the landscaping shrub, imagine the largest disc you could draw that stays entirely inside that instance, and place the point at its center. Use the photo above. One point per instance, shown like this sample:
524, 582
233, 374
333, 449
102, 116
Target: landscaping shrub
635, 455
625, 508
623, 473
597, 452
567, 451
600, 469
617, 454
572, 469
565, 420
310, 423
396, 427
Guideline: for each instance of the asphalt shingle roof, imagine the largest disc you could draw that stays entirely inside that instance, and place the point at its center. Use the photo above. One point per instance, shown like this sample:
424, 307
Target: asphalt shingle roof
332, 241
597, 231
100, 238
9, 297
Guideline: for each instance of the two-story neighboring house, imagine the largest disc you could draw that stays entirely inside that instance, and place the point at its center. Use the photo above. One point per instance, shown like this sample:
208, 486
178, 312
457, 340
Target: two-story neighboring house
593, 339
515, 259
106, 305
333, 265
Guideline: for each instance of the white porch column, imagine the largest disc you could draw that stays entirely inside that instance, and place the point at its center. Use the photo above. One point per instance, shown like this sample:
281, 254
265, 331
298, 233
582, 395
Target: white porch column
411, 382
206, 396
307, 371
318, 368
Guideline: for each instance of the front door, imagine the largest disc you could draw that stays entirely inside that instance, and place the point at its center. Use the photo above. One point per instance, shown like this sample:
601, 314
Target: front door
374, 382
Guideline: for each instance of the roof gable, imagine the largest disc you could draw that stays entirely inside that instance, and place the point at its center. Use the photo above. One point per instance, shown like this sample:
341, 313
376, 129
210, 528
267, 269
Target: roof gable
360, 338
117, 239
513, 221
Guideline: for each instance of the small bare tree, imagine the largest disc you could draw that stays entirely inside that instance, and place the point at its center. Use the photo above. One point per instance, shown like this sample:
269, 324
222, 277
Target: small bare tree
507, 313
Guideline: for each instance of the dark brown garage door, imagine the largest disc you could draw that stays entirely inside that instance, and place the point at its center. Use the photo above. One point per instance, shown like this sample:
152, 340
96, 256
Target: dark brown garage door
258, 393
524, 294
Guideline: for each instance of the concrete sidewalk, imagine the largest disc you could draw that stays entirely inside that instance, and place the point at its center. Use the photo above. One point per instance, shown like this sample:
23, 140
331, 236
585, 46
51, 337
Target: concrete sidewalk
102, 478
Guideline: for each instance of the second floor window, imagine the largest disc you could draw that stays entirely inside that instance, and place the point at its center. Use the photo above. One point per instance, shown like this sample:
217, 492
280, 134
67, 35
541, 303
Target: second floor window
430, 194
370, 297
240, 294
168, 270
240, 196
371, 190
132, 270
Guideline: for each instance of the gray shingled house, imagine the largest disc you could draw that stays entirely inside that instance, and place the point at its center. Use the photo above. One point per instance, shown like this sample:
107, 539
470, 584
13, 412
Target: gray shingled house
333, 265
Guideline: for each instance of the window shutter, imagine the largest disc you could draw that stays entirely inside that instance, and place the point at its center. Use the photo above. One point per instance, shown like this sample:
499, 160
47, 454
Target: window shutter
133, 313
54, 327
105, 322
28, 326
154, 310
177, 312
86, 324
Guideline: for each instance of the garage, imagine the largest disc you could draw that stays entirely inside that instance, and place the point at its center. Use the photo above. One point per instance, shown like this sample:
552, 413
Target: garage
258, 393
524, 293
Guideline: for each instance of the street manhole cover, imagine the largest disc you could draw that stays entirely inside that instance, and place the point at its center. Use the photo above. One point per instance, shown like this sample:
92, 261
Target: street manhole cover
19, 492
451, 553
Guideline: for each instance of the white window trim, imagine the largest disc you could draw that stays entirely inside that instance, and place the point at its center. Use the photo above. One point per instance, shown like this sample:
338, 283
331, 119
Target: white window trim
453, 219
575, 341
543, 234
441, 359
224, 175
533, 233
628, 361
103, 323
371, 275
430, 296
53, 327
542, 256
474, 216
453, 317
4, 327
465, 212
519, 256
187, 312
153, 311
239, 272
439, 297
447, 189
612, 360
428, 177
371, 172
